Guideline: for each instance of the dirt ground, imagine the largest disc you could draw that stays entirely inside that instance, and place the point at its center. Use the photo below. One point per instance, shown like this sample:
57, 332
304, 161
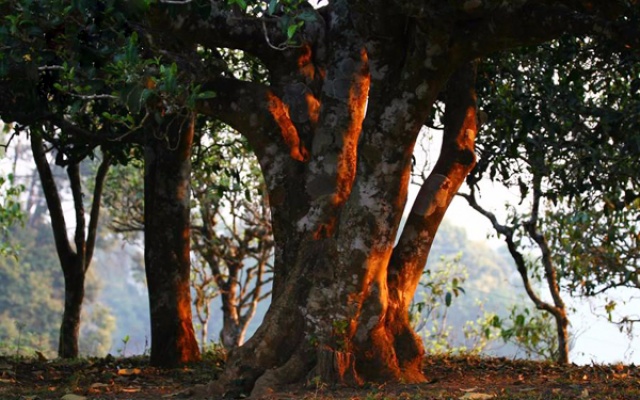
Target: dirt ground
448, 378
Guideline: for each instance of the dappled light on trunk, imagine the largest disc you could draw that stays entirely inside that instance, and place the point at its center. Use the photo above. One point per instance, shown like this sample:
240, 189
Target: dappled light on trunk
280, 112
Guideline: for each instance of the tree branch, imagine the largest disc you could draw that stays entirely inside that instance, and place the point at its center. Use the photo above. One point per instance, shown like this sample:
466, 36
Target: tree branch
518, 258
73, 171
95, 207
52, 197
496, 26
456, 160
223, 26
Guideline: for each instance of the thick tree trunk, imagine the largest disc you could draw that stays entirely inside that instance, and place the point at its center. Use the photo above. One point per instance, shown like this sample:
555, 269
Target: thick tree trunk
342, 314
167, 241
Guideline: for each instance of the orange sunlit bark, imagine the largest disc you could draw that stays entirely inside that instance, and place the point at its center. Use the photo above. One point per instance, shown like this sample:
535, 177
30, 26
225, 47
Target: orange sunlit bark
346, 163
357, 107
305, 65
313, 104
280, 113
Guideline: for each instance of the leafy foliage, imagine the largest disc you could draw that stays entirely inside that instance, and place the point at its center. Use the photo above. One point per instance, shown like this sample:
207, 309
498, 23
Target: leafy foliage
466, 303
568, 115
10, 212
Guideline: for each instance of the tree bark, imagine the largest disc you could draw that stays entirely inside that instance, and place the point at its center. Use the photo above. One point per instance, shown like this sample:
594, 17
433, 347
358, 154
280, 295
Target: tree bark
68, 346
167, 239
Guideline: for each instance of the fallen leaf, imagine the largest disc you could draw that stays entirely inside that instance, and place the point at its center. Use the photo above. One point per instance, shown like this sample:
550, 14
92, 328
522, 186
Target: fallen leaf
98, 385
129, 371
477, 396
71, 396
584, 394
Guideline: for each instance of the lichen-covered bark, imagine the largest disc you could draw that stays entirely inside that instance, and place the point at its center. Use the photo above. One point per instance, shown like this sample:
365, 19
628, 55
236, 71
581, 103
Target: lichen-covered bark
334, 133
167, 241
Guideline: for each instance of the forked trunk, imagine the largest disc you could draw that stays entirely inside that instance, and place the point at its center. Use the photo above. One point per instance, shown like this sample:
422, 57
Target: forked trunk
74, 263
167, 240
342, 313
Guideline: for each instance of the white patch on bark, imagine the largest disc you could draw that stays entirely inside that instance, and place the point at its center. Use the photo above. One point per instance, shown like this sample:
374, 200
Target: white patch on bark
310, 220
275, 170
378, 73
368, 197
358, 244
396, 108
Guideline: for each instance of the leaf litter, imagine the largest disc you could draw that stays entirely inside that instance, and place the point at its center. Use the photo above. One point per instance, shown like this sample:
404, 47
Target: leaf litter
464, 378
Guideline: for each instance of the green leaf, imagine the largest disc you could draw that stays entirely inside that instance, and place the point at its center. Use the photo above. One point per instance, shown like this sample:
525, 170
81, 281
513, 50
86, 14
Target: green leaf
272, 6
206, 95
292, 29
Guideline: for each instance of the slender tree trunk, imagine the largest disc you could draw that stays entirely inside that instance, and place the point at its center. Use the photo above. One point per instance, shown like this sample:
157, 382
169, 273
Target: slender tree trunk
68, 346
557, 309
74, 263
167, 240
230, 333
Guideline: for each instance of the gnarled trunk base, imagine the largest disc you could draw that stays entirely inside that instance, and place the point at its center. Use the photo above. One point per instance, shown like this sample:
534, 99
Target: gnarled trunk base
284, 351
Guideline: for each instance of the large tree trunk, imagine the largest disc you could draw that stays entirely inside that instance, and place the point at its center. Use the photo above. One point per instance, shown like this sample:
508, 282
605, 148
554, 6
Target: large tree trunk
341, 291
341, 313
167, 241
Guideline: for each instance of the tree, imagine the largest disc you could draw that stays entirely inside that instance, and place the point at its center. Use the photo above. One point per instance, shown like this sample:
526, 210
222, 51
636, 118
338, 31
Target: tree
232, 236
574, 169
74, 260
513, 233
231, 240
71, 75
33, 300
350, 86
